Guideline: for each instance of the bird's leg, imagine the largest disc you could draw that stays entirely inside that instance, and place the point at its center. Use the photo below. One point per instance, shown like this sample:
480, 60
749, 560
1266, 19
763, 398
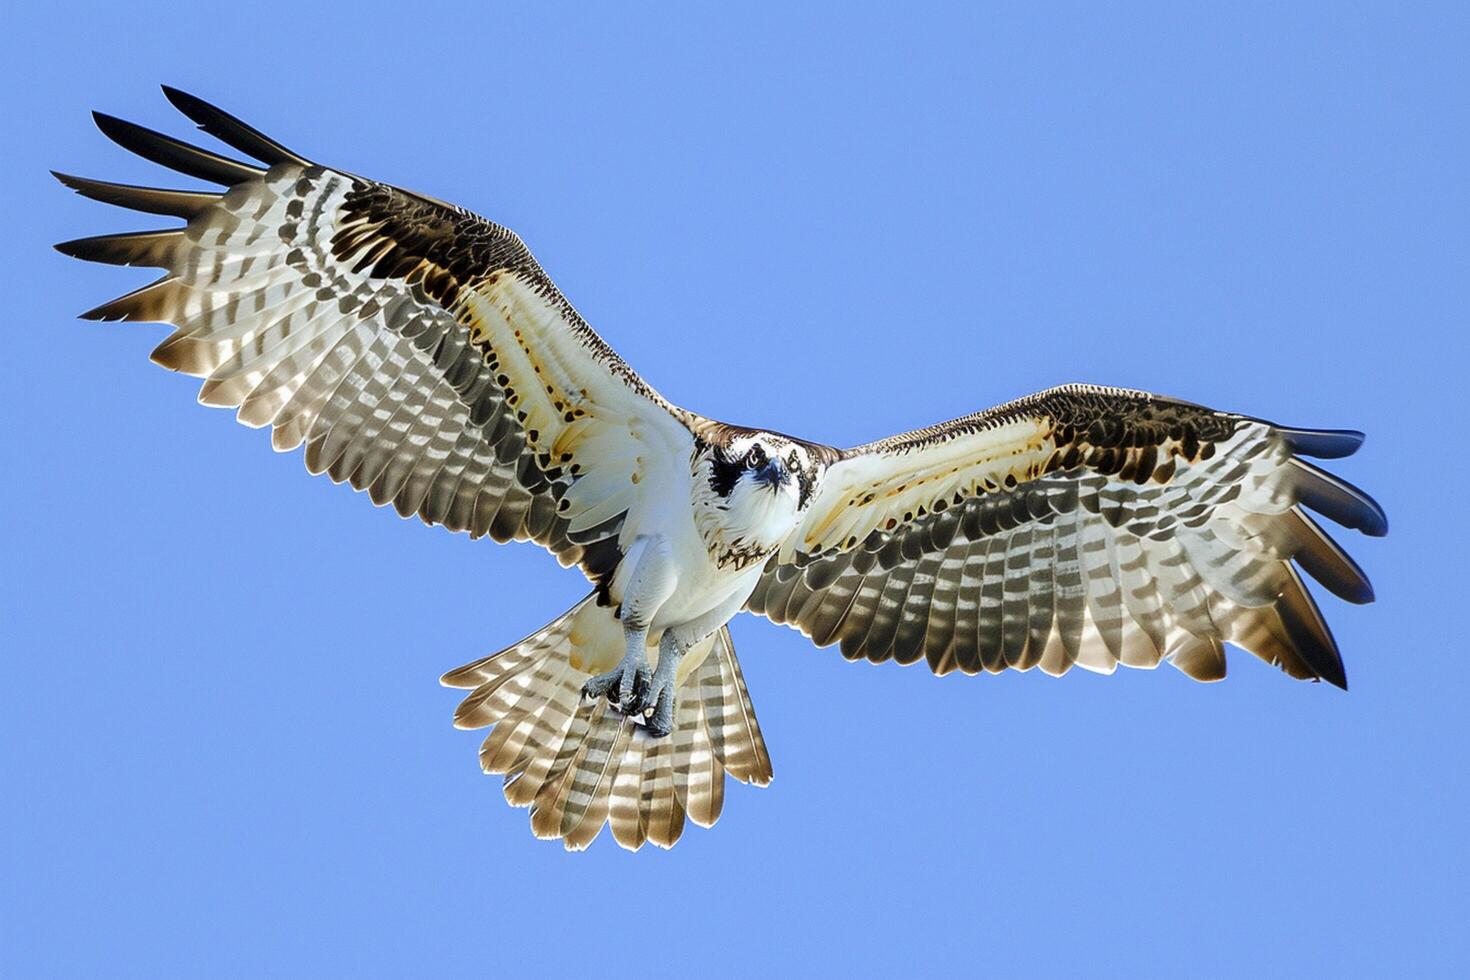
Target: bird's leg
626, 683
661, 699
651, 583
661, 695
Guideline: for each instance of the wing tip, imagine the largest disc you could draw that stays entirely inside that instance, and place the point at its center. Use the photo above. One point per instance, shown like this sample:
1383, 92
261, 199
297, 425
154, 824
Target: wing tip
1309, 635
231, 130
1362, 593
113, 127
1337, 679
71, 248
1372, 519
99, 314
1317, 554
1346, 504
1338, 500
190, 105
1380, 528
166, 151
177, 96
1322, 443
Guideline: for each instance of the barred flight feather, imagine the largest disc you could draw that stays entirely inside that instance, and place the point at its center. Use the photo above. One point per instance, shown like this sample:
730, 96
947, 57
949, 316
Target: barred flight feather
579, 764
339, 312
419, 353
1081, 526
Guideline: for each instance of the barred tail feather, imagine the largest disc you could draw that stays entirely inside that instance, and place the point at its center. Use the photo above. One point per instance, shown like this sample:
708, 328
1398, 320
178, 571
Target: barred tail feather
580, 765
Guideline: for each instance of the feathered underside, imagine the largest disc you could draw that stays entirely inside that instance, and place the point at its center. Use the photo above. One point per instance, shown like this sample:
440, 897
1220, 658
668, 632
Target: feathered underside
416, 350
580, 764
1082, 525
420, 353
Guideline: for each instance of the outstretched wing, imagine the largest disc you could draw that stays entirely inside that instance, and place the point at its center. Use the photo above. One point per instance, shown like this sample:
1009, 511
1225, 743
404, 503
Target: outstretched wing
1083, 525
417, 350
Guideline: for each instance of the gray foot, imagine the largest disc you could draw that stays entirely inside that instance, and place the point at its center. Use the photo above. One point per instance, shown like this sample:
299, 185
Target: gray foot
625, 686
660, 699
641, 692
661, 720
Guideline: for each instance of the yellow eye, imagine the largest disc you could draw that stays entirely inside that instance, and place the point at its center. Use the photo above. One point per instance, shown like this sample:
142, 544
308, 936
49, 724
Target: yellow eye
756, 456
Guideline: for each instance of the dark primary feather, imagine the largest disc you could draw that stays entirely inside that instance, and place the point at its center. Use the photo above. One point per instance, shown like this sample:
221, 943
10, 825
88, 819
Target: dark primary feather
150, 200
1107, 550
1338, 500
1153, 529
1323, 559
145, 248
175, 154
226, 128
1321, 443
368, 363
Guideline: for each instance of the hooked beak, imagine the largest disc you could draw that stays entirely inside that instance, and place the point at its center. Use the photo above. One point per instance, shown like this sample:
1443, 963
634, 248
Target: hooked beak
771, 475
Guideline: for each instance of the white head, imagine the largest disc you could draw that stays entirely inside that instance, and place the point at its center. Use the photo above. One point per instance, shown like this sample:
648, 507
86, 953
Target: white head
750, 491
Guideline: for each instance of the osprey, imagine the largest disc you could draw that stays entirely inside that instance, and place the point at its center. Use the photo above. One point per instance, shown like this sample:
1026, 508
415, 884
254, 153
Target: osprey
420, 353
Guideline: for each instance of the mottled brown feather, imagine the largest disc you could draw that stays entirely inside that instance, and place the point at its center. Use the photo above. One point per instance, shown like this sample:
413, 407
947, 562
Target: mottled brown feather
1081, 525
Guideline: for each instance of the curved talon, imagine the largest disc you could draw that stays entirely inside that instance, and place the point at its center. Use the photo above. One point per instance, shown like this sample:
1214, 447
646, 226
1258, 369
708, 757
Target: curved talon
632, 689
602, 684
626, 688
650, 696
661, 721
662, 693
639, 691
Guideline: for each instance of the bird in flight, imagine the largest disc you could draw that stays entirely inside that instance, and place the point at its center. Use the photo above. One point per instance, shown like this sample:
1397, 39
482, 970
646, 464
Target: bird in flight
419, 352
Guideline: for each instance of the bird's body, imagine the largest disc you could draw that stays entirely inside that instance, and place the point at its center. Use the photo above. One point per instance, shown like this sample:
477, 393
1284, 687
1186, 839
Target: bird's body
420, 353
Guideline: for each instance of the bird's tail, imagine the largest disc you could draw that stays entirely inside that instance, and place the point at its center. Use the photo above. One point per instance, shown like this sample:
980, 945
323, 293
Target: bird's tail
579, 763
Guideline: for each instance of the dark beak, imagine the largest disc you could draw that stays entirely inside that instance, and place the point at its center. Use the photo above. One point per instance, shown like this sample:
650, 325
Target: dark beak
771, 475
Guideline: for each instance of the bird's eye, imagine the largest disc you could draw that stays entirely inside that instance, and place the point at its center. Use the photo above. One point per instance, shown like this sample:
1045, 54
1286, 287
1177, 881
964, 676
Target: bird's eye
794, 460
756, 456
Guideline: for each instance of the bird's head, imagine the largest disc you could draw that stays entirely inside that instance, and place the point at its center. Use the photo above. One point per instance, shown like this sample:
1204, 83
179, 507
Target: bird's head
752, 487
760, 462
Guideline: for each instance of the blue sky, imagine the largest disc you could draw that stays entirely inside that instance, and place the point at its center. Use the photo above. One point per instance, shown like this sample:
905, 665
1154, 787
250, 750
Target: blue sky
225, 750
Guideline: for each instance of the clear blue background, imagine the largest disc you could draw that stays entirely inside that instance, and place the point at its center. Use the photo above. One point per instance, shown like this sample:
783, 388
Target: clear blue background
224, 747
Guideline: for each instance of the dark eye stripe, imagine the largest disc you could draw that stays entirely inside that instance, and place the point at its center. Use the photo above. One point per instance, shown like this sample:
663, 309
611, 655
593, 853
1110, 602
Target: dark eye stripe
723, 474
804, 485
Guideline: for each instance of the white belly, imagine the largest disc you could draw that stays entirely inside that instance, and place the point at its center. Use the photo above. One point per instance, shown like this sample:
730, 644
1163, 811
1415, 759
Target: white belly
700, 585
